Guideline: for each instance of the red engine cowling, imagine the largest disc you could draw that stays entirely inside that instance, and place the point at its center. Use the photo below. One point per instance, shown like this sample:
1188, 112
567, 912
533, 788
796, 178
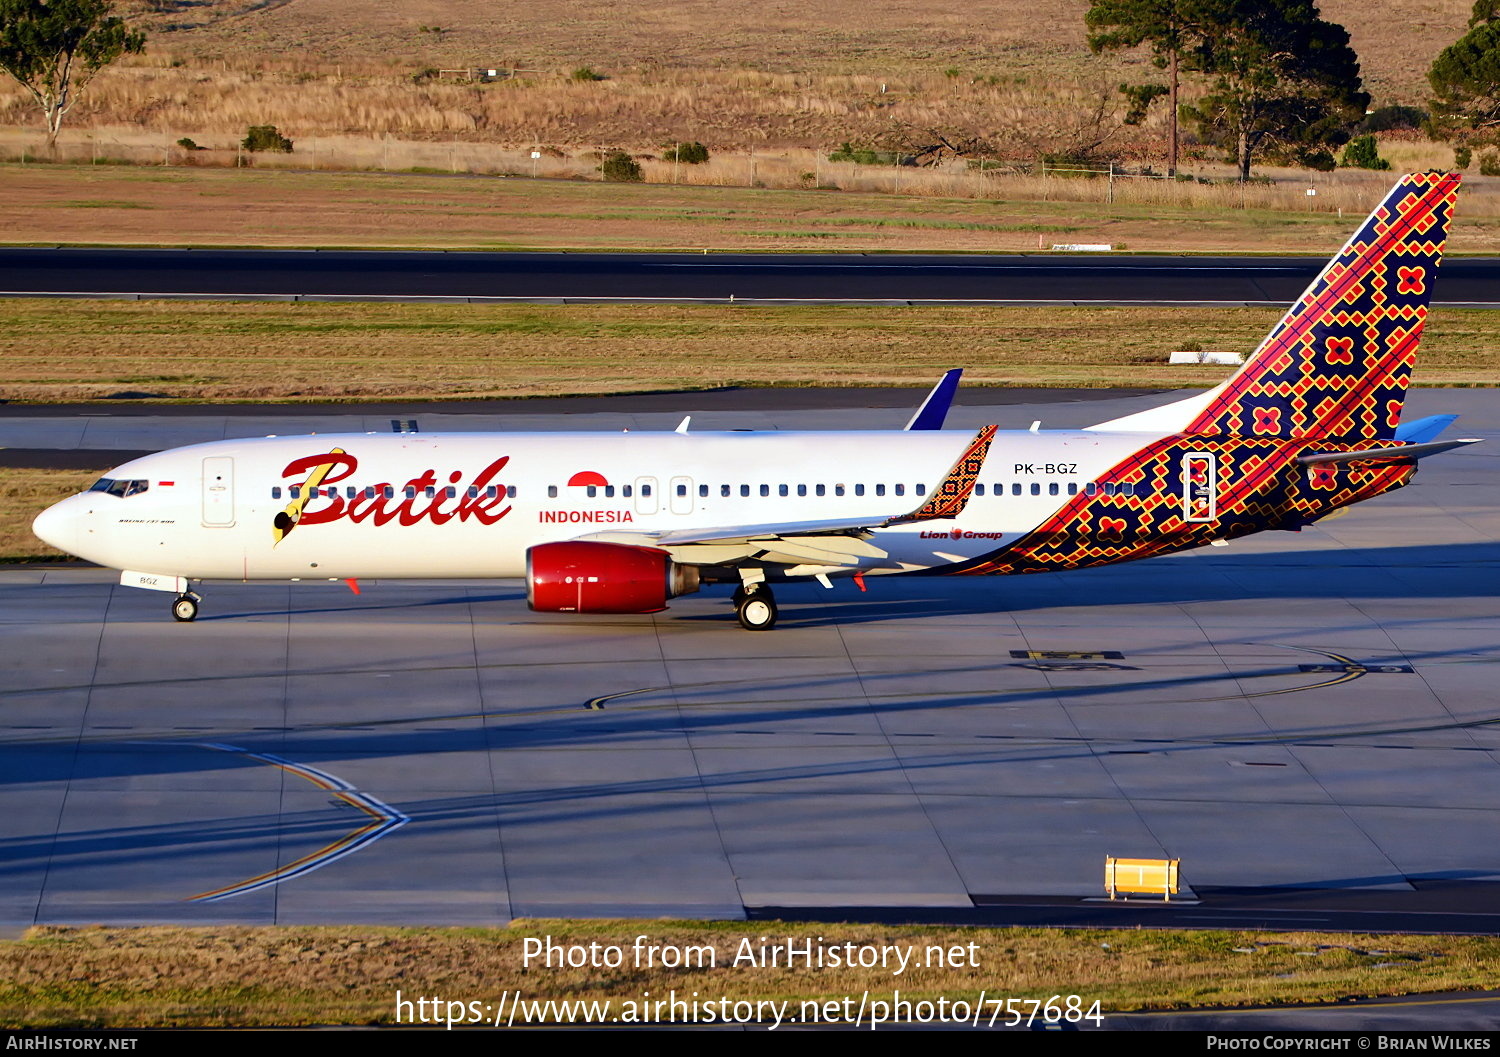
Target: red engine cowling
585, 577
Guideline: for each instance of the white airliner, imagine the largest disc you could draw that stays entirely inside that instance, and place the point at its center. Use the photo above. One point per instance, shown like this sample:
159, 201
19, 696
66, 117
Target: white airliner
620, 523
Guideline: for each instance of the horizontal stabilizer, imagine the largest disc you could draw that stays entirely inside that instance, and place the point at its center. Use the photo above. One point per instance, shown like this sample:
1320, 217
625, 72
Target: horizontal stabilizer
934, 410
1400, 453
1420, 431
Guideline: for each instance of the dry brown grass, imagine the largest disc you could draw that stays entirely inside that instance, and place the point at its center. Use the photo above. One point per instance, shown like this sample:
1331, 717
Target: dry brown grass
751, 77
153, 206
80, 350
262, 976
26, 493
1396, 39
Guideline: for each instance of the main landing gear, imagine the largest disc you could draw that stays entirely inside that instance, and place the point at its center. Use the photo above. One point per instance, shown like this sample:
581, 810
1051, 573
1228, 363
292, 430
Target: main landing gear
185, 607
755, 606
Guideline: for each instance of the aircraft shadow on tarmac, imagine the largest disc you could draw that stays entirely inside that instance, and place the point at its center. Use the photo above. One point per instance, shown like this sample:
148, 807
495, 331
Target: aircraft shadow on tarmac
1435, 571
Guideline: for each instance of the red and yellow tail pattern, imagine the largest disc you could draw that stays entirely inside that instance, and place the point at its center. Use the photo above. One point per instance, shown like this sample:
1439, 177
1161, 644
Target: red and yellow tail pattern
1338, 364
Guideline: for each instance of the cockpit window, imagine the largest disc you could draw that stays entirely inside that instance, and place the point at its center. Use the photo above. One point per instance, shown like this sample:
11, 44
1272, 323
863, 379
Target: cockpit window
119, 488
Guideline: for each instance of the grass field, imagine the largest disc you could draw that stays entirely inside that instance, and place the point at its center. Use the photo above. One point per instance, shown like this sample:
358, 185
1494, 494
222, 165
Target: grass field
54, 350
102, 977
112, 205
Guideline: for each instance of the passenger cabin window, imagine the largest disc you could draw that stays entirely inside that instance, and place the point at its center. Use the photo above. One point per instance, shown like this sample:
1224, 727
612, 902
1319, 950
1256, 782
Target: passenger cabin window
782, 490
703, 491
765, 490
859, 489
682, 489
1015, 489
880, 489
979, 489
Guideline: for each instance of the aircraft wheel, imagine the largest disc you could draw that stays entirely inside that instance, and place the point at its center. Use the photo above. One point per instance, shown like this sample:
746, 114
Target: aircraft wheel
757, 611
185, 608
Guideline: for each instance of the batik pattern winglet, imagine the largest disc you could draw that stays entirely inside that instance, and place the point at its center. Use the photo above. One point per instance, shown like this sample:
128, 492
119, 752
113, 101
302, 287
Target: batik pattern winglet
1260, 486
950, 497
1338, 364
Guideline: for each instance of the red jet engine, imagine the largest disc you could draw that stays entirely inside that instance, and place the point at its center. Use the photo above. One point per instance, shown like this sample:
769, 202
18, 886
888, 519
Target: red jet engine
585, 577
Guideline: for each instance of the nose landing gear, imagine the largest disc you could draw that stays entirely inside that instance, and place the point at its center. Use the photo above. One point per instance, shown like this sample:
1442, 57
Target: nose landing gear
185, 607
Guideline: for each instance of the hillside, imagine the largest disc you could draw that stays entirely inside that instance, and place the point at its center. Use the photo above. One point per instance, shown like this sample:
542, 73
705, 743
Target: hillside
1396, 39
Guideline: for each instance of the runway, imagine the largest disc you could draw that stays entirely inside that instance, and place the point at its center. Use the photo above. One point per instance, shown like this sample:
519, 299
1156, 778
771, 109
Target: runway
1094, 279
1308, 721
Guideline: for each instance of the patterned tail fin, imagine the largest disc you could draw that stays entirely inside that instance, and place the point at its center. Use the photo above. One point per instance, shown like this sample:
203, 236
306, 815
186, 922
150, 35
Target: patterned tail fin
1337, 365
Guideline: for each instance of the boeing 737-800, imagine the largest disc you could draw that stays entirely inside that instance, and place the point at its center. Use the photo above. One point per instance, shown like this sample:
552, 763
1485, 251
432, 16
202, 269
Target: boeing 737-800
621, 523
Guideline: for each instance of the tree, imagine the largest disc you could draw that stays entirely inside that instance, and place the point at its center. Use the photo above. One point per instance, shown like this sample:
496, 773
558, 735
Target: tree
620, 167
267, 138
55, 47
1363, 152
1173, 29
1285, 83
1465, 81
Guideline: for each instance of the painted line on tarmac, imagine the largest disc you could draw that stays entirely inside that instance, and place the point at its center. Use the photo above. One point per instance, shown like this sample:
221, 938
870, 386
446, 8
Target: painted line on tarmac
732, 299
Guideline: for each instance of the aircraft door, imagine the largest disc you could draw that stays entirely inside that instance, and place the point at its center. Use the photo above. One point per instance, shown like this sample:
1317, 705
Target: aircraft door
1200, 486
646, 499
681, 497
218, 491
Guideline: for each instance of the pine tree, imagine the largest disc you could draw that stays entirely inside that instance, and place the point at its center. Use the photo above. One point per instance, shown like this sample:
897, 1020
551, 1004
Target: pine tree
1172, 28
1285, 83
1465, 81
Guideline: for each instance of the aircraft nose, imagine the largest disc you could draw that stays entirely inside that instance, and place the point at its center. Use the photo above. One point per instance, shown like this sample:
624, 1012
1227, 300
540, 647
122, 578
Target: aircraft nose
57, 526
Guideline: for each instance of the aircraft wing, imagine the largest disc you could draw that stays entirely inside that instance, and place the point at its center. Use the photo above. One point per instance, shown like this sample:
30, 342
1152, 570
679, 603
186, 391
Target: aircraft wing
794, 543
826, 542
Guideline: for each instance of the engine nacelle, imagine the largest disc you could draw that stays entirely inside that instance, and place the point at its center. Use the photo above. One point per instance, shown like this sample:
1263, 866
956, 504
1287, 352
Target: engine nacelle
587, 577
